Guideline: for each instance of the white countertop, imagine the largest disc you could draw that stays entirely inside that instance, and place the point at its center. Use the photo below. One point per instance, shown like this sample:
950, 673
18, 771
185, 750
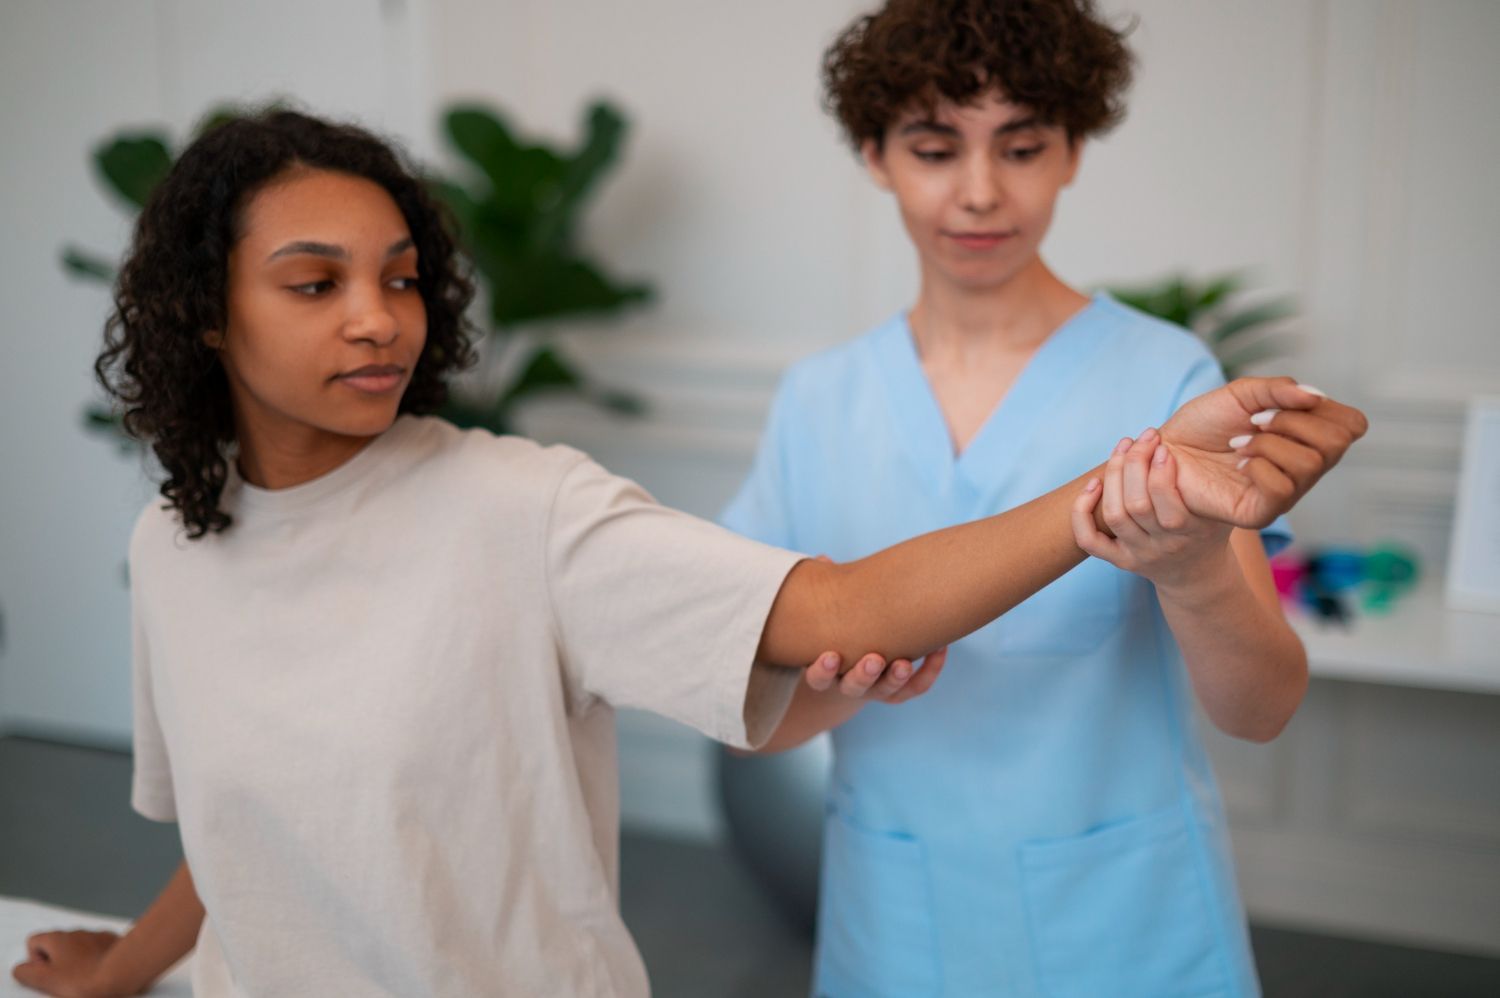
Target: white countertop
1419, 643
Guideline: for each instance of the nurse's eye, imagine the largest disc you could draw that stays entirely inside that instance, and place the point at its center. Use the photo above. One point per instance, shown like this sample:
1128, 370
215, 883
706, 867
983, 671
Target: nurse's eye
312, 289
933, 155
404, 283
1023, 154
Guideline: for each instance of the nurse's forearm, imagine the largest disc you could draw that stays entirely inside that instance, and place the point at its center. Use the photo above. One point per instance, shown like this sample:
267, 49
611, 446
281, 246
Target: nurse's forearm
924, 593
1247, 666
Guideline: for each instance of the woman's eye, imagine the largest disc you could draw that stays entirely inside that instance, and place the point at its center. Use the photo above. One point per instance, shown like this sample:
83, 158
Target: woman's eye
1024, 153
312, 289
932, 155
404, 283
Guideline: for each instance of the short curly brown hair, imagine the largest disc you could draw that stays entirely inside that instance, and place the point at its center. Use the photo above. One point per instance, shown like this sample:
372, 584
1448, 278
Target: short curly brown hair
168, 383
1056, 57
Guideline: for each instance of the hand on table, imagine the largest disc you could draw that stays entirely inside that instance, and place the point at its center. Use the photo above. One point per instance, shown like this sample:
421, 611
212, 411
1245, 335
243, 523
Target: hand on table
66, 964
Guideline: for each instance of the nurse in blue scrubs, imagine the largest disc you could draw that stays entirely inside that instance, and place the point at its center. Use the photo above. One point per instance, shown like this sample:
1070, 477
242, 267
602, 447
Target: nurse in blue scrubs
1044, 819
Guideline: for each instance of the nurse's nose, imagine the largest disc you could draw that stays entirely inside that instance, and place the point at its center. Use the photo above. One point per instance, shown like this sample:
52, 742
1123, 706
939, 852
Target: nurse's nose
979, 191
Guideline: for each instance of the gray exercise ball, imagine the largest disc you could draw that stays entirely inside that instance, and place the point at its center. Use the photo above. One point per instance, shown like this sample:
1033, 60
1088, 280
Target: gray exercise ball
773, 806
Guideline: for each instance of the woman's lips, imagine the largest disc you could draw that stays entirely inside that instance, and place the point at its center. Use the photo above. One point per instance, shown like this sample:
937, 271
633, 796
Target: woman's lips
374, 379
979, 240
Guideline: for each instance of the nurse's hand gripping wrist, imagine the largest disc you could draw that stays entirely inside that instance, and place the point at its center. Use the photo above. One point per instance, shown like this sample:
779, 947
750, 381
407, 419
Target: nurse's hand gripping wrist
1295, 435
1154, 534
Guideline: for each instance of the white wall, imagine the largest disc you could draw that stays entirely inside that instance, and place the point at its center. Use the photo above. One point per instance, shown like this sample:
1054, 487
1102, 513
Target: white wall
1339, 148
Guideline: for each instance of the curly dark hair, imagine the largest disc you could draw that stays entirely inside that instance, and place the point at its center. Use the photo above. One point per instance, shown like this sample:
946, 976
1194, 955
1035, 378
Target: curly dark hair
1055, 57
167, 381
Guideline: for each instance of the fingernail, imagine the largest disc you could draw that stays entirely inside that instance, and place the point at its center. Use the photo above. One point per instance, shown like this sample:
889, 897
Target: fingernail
902, 672
872, 668
1243, 461
1160, 457
1314, 391
829, 662
1148, 434
1236, 443
1123, 445
1092, 486
1264, 417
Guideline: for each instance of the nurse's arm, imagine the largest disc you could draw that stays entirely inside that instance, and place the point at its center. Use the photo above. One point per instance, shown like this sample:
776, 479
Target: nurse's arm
1247, 666
930, 591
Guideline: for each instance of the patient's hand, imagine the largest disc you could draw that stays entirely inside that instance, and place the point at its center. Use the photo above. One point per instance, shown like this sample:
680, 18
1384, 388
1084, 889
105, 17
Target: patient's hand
1296, 436
66, 964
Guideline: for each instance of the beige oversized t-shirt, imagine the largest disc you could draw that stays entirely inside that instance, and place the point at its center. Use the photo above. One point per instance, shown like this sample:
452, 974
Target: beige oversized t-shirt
380, 707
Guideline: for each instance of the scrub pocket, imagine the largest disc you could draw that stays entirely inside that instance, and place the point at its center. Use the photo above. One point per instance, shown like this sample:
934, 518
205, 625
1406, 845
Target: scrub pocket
875, 926
1122, 911
1072, 616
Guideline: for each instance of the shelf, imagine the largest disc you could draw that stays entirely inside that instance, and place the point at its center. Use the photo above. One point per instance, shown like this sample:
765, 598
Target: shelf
1419, 643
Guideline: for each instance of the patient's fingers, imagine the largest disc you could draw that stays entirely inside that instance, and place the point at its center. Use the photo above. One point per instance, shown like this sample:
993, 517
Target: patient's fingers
1329, 437
1301, 463
1256, 394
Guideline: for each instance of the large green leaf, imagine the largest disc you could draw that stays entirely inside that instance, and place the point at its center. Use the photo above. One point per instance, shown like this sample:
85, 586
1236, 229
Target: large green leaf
604, 132
133, 164
1217, 289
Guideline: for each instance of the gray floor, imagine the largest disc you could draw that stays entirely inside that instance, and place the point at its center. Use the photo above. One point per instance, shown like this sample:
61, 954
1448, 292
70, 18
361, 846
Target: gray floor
68, 837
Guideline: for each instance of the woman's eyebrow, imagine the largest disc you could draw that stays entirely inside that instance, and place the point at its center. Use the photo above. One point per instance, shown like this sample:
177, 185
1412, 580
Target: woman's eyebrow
310, 248
333, 252
926, 126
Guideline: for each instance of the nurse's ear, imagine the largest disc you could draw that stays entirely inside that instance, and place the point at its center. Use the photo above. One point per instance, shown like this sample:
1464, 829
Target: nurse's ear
872, 151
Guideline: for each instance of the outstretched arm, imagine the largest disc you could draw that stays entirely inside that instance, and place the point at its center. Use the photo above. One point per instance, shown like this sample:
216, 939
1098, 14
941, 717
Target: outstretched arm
927, 592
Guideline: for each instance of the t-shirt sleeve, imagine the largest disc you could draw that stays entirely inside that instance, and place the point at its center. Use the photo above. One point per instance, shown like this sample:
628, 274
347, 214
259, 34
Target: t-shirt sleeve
659, 610
1204, 376
761, 509
151, 786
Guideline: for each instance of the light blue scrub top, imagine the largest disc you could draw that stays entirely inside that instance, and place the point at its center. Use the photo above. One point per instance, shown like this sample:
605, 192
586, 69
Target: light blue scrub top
1044, 821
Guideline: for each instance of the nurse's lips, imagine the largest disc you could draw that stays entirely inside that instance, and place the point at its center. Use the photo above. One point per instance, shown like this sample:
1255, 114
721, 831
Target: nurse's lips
980, 240
373, 379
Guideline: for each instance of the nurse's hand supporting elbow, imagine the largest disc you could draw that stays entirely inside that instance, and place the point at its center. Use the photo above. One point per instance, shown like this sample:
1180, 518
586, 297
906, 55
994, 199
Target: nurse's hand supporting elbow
1155, 535
871, 678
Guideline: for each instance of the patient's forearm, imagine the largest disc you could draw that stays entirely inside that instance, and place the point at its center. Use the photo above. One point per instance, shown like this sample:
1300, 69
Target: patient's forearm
924, 593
